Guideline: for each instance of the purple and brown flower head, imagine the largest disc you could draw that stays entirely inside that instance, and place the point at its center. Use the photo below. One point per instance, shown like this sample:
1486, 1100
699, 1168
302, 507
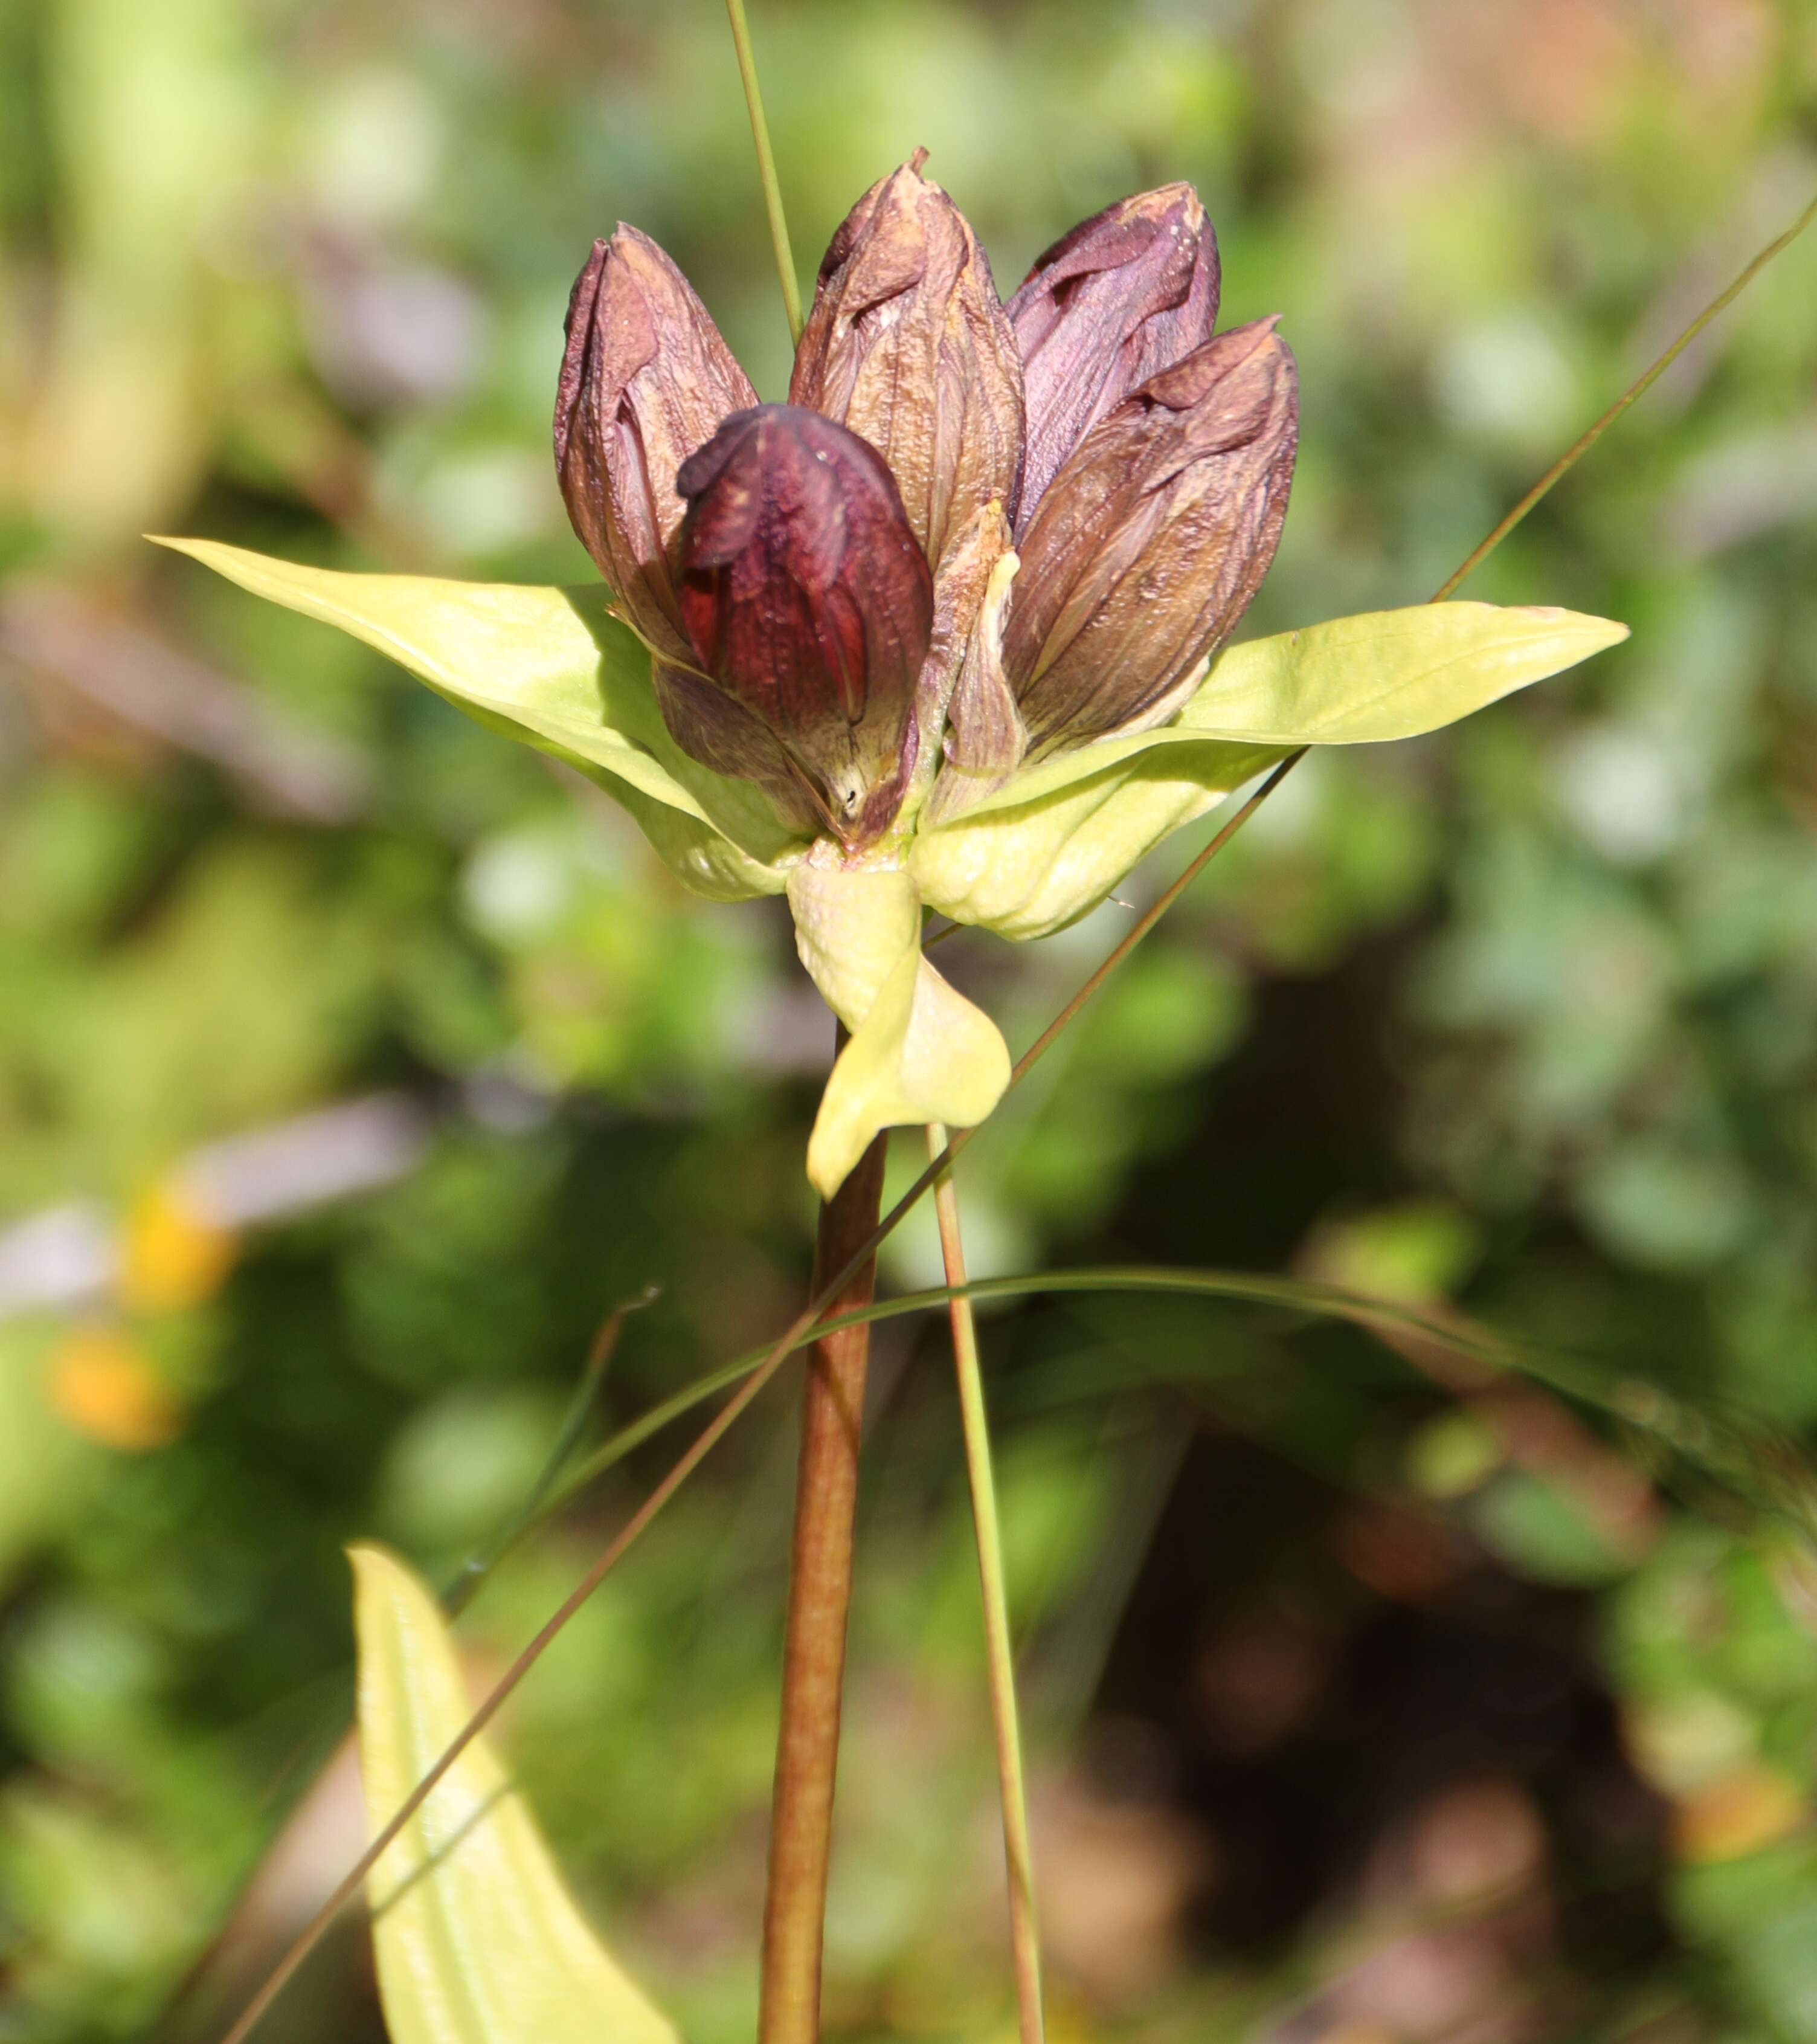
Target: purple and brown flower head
821, 568
951, 628
807, 600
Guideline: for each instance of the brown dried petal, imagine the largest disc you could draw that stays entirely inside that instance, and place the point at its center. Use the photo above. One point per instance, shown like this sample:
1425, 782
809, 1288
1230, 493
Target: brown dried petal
986, 737
960, 587
1152, 539
645, 381
959, 590
807, 600
908, 345
721, 733
1125, 293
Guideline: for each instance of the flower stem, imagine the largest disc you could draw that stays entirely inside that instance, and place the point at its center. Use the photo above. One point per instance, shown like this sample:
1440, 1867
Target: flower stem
1018, 1862
767, 168
819, 1596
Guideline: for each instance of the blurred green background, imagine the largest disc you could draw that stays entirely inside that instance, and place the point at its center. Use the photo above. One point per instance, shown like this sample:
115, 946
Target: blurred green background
354, 1062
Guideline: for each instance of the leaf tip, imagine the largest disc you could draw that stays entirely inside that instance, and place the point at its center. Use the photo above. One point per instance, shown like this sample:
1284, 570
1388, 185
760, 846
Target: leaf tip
204, 550
1603, 631
828, 1169
376, 1570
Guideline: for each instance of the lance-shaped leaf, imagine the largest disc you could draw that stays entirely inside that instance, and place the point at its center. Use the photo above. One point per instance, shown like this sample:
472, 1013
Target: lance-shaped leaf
551, 667
477, 1940
1050, 844
1389, 674
918, 1051
1366, 680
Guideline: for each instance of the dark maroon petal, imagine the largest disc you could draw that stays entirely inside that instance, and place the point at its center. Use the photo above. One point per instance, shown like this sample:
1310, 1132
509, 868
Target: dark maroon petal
1122, 296
1152, 539
908, 345
807, 600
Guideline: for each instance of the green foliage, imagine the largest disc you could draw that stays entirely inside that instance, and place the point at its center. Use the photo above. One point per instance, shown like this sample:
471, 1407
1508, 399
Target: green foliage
550, 666
476, 1937
919, 1052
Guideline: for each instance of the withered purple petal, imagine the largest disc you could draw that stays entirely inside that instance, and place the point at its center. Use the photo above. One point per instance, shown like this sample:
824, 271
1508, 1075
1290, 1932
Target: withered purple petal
908, 344
1152, 539
807, 600
645, 379
711, 727
1125, 293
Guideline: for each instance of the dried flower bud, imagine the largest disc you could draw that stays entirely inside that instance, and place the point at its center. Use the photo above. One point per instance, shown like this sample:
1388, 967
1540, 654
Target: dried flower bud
908, 345
807, 600
1152, 539
645, 380
1118, 299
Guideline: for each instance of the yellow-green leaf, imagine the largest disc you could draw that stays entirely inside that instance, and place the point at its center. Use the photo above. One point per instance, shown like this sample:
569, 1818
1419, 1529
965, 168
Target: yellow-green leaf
920, 1051
853, 927
1039, 852
1389, 674
478, 1942
1356, 681
1031, 870
923, 1053
552, 667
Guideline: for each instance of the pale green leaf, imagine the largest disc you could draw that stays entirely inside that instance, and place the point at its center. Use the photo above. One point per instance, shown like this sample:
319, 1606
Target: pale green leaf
1389, 674
1040, 851
552, 667
477, 1940
1031, 870
853, 926
923, 1053
918, 1051
1355, 680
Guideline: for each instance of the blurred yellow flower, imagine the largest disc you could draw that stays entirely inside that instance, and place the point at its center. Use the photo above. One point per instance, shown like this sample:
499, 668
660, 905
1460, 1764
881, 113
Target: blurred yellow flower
104, 1385
172, 1254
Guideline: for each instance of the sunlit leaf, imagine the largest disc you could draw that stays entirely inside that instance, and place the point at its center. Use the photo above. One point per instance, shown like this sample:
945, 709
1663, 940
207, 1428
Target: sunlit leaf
1027, 870
918, 1051
550, 666
1052, 843
852, 928
478, 1942
923, 1053
1366, 680
1389, 674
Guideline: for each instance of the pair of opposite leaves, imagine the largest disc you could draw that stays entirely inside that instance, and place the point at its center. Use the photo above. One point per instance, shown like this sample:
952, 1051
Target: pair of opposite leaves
551, 667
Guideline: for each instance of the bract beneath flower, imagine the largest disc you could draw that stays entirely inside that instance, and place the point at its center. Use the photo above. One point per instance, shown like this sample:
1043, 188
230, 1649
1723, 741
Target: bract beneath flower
1040, 851
919, 1050
550, 666
1027, 869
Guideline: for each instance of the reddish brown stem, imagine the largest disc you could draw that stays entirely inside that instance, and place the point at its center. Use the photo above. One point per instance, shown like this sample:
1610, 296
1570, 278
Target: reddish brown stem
819, 1596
